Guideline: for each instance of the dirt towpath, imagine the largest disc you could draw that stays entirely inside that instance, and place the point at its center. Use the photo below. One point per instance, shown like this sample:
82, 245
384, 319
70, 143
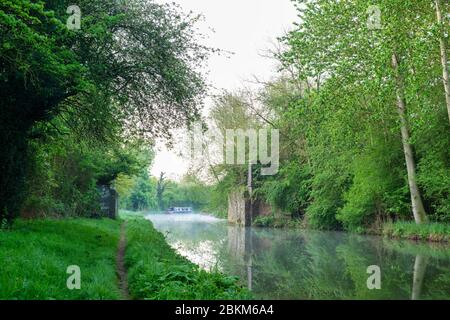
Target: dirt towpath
121, 270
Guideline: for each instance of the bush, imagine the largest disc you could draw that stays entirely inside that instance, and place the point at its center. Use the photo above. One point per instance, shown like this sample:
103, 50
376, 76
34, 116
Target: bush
290, 190
326, 195
277, 222
375, 192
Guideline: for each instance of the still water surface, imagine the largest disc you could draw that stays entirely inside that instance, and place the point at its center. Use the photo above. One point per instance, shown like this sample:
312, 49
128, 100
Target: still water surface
304, 264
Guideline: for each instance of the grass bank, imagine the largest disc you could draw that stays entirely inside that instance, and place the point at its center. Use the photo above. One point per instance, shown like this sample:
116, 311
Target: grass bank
431, 232
35, 255
126, 214
434, 232
156, 271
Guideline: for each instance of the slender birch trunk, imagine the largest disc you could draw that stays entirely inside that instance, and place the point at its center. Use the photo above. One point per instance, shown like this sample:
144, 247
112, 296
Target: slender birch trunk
420, 266
416, 199
444, 58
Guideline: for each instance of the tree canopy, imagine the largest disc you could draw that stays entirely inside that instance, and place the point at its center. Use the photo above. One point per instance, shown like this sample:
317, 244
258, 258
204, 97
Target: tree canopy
132, 70
361, 109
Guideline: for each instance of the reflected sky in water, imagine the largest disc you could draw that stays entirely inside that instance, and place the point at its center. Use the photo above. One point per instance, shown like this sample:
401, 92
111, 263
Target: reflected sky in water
303, 264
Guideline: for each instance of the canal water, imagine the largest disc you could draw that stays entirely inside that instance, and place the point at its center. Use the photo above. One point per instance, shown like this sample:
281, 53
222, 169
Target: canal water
303, 264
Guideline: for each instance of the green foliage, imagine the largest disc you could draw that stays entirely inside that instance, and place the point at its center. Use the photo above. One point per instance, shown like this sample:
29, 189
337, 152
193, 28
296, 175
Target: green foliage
65, 173
135, 63
290, 190
218, 200
375, 187
335, 104
143, 194
37, 71
434, 165
266, 221
346, 113
189, 192
276, 221
157, 272
326, 200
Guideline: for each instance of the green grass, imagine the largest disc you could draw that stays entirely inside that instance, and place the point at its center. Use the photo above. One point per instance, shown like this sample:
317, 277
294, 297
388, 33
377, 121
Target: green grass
156, 271
435, 250
435, 232
127, 214
35, 255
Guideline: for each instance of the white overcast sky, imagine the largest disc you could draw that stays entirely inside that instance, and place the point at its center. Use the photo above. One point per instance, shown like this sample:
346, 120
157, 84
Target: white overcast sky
245, 27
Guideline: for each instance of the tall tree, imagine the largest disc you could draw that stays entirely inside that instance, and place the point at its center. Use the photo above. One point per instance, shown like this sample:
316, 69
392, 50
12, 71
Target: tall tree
160, 188
135, 63
444, 58
347, 125
416, 198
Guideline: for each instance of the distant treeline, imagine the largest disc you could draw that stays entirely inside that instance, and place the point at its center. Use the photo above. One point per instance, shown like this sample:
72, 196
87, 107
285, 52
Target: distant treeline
144, 193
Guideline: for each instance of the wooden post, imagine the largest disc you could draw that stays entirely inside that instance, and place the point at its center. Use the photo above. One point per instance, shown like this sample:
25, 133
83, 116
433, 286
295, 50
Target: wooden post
248, 257
249, 179
249, 214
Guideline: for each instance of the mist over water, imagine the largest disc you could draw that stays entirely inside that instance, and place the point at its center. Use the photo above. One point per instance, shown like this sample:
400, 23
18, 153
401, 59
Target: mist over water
305, 264
164, 219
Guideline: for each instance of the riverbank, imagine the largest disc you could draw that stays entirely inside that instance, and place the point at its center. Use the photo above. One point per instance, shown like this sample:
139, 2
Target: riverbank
430, 232
310, 264
36, 254
156, 271
277, 222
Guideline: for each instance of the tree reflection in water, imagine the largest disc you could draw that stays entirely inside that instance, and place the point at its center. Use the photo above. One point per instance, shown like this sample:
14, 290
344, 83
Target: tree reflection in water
298, 264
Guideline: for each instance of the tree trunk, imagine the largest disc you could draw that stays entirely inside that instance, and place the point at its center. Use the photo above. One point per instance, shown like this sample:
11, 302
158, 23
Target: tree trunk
14, 161
444, 58
420, 266
416, 199
160, 188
